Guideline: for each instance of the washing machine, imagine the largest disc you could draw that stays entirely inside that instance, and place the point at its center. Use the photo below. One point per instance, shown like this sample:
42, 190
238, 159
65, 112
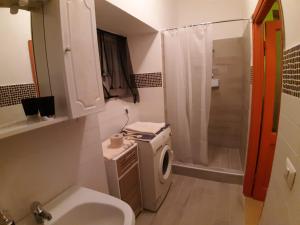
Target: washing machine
155, 158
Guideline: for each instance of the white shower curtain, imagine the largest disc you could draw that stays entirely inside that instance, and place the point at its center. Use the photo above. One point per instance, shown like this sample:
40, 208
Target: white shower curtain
188, 72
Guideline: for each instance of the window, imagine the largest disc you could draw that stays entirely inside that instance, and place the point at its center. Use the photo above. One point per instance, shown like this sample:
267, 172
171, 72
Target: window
116, 67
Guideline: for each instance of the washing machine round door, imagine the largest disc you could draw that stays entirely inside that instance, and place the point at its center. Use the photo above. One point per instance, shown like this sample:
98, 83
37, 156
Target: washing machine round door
165, 163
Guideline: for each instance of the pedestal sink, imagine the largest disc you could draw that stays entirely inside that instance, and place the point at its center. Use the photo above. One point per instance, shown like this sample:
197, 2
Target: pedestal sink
82, 206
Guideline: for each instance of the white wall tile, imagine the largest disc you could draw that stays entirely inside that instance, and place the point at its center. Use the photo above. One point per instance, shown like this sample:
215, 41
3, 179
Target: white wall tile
113, 117
290, 106
282, 204
145, 53
290, 132
40, 164
151, 107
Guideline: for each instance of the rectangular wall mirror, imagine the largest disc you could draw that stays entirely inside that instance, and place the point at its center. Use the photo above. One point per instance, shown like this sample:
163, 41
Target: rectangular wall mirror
23, 62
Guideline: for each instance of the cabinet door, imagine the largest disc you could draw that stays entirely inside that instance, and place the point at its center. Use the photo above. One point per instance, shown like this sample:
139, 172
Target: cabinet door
130, 189
82, 65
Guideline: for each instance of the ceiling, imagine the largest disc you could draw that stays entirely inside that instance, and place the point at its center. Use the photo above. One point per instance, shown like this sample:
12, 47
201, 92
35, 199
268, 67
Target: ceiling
115, 20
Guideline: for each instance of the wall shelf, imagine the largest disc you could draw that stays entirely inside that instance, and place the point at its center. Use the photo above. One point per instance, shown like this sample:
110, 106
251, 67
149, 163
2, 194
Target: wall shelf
27, 125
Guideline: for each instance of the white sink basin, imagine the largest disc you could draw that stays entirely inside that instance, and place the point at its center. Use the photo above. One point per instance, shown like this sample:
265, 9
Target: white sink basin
82, 206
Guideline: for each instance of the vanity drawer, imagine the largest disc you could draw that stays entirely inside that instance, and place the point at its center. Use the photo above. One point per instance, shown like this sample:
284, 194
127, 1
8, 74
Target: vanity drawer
130, 189
124, 178
126, 161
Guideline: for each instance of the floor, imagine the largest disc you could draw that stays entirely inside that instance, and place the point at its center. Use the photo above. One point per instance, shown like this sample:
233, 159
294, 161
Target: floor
225, 158
193, 201
253, 209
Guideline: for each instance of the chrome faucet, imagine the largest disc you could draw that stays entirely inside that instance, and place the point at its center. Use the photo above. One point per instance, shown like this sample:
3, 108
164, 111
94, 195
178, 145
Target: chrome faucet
5, 219
39, 213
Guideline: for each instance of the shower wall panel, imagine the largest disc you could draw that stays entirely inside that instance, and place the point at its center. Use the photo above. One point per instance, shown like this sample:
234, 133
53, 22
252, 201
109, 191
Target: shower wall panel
247, 88
225, 126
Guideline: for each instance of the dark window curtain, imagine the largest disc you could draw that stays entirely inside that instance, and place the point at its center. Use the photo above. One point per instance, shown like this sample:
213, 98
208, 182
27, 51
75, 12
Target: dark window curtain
116, 67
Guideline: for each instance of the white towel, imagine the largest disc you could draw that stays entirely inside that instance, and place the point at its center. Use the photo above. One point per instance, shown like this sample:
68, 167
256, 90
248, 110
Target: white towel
145, 127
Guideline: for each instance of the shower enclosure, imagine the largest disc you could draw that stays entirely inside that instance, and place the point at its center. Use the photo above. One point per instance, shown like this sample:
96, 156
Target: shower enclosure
188, 57
228, 125
223, 133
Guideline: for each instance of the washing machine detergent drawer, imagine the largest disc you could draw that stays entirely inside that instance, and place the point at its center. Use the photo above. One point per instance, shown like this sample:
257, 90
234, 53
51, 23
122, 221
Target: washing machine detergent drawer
161, 139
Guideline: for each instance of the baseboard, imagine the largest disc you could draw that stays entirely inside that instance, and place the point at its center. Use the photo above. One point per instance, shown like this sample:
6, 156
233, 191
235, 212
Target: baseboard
214, 174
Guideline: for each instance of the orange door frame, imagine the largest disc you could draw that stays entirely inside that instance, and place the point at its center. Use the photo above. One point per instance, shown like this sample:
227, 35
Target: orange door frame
33, 67
268, 136
261, 11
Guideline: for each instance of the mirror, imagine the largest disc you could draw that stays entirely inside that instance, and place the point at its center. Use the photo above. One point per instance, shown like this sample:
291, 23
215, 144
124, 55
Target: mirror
23, 62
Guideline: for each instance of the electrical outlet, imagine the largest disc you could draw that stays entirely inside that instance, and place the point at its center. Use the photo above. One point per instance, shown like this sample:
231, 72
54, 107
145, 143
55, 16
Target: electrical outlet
290, 173
126, 109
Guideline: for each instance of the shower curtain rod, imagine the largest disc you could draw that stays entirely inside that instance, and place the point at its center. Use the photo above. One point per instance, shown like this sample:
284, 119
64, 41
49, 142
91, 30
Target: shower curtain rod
206, 23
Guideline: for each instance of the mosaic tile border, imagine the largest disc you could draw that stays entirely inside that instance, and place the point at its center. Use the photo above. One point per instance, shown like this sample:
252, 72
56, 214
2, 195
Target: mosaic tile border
12, 94
291, 71
145, 80
251, 75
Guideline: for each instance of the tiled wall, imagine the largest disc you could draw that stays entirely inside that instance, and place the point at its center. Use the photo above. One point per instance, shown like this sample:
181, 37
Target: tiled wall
227, 101
145, 80
113, 118
145, 53
251, 74
247, 88
282, 204
291, 71
40, 164
12, 94
150, 108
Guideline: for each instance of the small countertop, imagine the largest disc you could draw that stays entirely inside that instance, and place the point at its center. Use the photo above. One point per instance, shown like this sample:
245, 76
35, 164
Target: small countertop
111, 153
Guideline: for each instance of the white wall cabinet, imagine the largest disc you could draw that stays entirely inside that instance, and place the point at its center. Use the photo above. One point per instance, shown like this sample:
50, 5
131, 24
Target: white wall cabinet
83, 81
65, 36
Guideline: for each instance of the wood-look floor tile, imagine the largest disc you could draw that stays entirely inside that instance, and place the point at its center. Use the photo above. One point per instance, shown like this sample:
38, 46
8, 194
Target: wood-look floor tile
224, 158
193, 201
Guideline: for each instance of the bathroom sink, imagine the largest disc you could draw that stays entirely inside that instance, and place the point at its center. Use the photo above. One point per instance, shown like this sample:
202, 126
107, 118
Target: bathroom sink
82, 206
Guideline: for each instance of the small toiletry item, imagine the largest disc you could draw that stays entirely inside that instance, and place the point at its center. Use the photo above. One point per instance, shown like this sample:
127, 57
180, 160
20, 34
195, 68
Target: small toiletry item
46, 106
116, 140
30, 106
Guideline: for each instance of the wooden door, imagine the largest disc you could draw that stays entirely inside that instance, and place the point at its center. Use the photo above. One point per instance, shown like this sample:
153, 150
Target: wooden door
82, 65
270, 109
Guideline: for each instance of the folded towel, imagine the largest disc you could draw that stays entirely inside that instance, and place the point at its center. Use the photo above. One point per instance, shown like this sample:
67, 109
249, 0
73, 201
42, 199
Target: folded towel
145, 127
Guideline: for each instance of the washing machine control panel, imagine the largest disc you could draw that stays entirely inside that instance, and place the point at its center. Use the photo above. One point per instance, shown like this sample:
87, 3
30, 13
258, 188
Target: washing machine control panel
161, 139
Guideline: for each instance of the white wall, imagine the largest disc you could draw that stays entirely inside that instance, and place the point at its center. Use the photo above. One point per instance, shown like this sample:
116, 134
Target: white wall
250, 7
40, 164
194, 12
291, 22
172, 13
229, 30
151, 107
282, 205
14, 58
145, 52
113, 118
156, 13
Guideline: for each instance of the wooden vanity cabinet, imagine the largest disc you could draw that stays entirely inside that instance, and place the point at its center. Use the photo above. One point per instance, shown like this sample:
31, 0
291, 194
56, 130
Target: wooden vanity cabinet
124, 178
